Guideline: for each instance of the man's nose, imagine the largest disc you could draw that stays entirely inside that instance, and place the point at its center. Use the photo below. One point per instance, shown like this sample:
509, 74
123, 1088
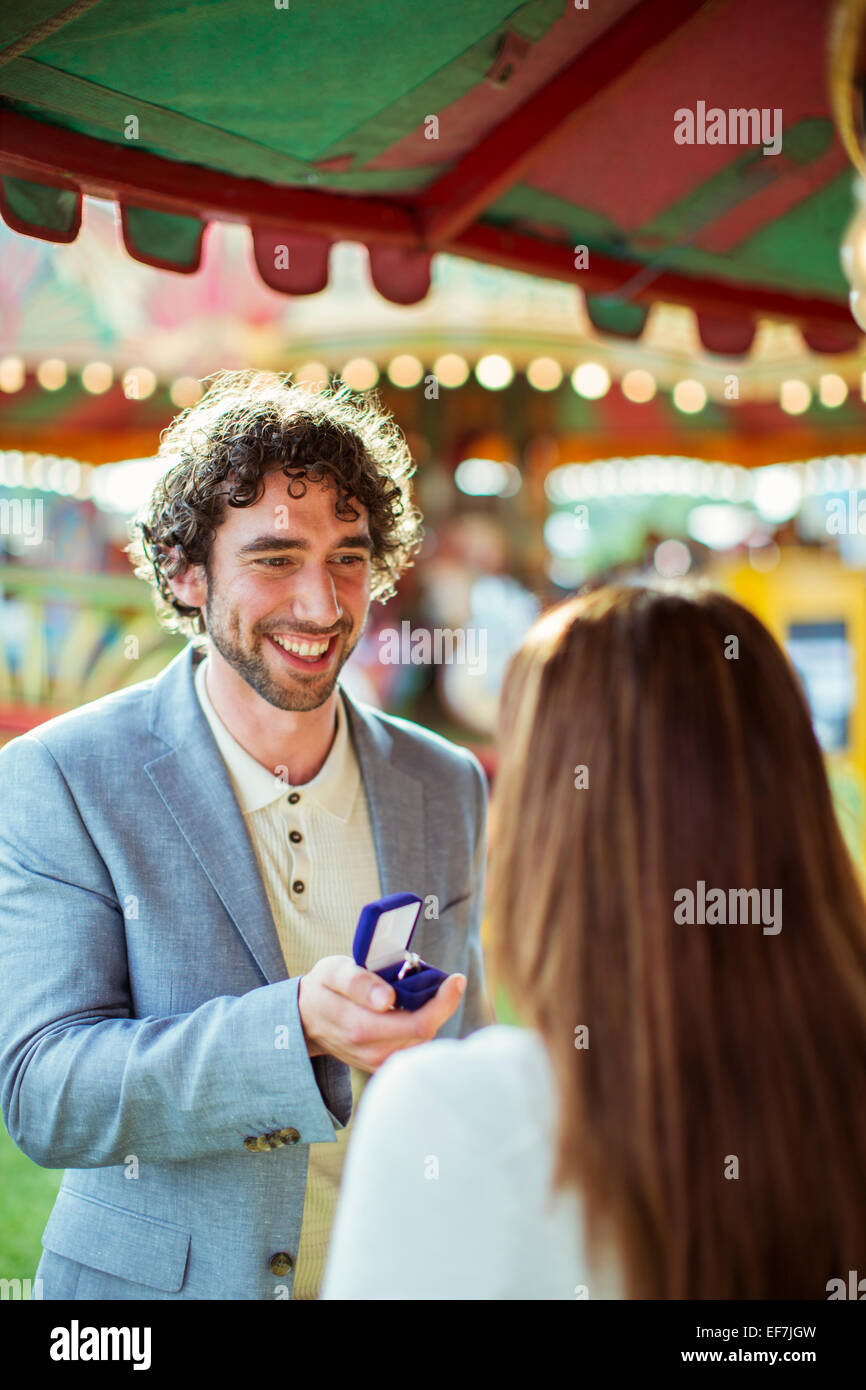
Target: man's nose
314, 598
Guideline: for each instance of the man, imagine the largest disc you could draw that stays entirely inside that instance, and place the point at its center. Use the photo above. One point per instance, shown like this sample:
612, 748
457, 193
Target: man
182, 865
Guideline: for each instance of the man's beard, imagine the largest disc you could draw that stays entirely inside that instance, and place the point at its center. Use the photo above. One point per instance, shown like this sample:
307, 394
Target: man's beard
252, 666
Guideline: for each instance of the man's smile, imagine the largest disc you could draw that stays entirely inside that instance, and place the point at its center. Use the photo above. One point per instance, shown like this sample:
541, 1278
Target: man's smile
304, 653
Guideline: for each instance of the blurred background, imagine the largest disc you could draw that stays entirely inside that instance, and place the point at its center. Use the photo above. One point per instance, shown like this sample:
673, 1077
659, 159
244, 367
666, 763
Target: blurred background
614, 354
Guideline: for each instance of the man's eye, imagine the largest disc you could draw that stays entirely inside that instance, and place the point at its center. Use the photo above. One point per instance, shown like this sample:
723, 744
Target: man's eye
351, 559
275, 560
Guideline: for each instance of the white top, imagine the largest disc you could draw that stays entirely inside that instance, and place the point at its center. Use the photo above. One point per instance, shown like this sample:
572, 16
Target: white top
315, 909
446, 1188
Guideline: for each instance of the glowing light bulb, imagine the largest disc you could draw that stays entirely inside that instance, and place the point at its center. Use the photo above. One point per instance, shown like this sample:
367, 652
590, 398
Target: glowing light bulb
97, 377
794, 396
494, 372
185, 391
689, 396
451, 369
639, 386
405, 370
360, 373
544, 373
591, 380
51, 374
11, 374
832, 389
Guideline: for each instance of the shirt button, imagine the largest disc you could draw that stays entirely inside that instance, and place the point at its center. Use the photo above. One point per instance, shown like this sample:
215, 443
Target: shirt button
298, 886
294, 798
280, 1263
295, 836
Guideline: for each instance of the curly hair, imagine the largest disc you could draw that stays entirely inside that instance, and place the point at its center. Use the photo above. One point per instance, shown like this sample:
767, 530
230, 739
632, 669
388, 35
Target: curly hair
248, 424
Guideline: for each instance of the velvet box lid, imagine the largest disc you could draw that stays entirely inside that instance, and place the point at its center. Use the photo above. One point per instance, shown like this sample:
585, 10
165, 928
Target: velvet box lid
381, 944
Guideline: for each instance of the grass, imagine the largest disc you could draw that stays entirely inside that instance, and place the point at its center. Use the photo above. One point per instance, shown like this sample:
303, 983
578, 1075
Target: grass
27, 1195
504, 1009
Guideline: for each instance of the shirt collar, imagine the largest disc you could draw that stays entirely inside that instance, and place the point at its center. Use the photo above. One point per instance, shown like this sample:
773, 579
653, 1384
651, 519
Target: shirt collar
334, 786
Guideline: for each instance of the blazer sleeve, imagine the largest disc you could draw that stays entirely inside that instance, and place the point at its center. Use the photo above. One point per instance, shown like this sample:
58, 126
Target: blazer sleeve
84, 1083
477, 1009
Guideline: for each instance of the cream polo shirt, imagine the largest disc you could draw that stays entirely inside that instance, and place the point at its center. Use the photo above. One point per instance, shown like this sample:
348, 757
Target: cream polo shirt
318, 862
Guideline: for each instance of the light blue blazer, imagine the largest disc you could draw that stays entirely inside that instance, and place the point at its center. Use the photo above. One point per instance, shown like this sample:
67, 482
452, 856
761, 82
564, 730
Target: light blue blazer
142, 986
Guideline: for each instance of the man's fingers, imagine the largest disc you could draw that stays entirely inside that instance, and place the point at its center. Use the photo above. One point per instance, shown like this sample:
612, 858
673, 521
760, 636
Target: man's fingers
354, 1027
444, 1002
370, 991
378, 1036
353, 982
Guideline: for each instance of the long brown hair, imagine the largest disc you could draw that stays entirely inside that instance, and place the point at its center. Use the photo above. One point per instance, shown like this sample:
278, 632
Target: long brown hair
712, 1113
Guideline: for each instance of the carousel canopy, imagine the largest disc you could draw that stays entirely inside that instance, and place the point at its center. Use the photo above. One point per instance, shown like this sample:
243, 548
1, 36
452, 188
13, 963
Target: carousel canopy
682, 152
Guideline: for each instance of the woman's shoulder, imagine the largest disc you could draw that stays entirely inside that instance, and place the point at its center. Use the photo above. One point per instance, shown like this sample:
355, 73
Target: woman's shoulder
516, 1052
500, 1075
478, 1114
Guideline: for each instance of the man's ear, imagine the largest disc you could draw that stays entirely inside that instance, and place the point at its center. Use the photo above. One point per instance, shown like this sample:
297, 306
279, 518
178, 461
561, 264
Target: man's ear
190, 585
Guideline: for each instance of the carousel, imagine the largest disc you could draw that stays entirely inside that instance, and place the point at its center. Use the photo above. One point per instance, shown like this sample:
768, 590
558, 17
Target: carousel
614, 305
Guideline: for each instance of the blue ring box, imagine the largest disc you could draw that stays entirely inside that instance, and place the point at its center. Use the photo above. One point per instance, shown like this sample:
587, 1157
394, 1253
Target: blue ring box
382, 936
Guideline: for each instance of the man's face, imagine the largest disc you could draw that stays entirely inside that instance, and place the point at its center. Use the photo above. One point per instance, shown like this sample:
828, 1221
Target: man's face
288, 591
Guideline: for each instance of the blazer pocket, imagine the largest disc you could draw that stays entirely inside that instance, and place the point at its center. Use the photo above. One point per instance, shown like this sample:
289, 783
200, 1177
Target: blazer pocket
455, 902
139, 1248
441, 940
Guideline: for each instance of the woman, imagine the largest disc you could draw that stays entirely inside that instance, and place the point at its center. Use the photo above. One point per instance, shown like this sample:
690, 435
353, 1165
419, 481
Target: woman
683, 1116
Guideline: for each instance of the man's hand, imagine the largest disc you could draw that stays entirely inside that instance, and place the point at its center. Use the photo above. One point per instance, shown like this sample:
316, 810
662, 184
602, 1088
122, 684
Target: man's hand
346, 1012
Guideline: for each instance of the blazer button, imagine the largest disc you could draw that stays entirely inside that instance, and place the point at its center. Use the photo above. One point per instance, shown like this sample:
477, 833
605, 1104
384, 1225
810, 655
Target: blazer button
257, 1143
280, 1263
288, 1136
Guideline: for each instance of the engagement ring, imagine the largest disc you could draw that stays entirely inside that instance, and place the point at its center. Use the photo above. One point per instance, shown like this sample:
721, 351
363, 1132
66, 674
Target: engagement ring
411, 962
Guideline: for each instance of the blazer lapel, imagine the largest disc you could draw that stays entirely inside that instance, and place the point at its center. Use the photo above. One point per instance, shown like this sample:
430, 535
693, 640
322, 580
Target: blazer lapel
193, 782
396, 803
